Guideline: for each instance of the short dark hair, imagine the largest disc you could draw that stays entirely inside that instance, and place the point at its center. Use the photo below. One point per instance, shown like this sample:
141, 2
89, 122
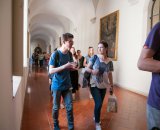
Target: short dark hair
90, 47
55, 49
78, 51
66, 36
155, 128
105, 44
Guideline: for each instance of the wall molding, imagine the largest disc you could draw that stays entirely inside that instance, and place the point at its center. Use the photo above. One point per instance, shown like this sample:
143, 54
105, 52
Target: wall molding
132, 90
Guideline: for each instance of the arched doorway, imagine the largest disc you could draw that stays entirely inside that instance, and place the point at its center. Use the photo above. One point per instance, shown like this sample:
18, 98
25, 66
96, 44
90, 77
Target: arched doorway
155, 12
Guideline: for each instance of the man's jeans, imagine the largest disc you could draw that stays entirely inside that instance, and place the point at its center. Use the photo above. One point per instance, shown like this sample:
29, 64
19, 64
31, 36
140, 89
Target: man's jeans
67, 96
153, 117
98, 96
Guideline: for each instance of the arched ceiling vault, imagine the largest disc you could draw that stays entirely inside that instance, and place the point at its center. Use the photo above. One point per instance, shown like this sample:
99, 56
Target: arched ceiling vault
50, 18
43, 34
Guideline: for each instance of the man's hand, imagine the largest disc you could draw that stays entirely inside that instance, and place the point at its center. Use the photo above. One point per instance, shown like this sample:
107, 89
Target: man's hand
70, 65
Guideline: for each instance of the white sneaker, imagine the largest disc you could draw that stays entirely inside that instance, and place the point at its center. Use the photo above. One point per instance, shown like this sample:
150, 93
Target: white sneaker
74, 96
90, 96
62, 106
98, 126
94, 120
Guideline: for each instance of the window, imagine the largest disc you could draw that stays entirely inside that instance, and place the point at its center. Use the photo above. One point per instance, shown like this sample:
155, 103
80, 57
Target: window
19, 42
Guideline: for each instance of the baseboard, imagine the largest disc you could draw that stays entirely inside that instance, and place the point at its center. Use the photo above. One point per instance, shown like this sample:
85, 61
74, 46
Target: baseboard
133, 90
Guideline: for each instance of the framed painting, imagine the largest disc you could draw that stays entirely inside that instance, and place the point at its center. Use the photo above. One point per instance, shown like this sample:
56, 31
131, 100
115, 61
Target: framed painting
109, 26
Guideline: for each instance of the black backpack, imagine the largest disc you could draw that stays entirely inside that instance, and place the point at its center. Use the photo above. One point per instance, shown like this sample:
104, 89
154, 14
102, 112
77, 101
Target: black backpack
57, 61
86, 77
57, 57
155, 128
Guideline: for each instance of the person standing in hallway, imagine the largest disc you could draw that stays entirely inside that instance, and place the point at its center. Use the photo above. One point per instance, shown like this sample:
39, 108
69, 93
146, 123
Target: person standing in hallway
74, 74
86, 61
41, 59
100, 75
149, 60
80, 66
36, 59
80, 58
61, 83
88, 56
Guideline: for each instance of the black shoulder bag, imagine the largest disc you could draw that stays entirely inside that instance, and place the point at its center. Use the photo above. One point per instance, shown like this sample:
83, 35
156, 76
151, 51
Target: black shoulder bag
87, 75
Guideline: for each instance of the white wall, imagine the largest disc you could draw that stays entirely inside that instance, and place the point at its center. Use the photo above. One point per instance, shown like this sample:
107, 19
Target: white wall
130, 41
41, 44
84, 30
18, 101
11, 108
6, 111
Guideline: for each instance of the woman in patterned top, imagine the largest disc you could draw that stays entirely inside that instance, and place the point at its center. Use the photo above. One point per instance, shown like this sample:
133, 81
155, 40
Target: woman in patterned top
101, 77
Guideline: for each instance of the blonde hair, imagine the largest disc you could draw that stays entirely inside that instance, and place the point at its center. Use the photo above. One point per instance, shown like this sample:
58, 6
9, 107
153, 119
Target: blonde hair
89, 54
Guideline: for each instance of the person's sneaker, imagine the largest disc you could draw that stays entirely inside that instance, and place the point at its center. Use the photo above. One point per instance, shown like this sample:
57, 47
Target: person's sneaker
62, 106
74, 96
94, 120
90, 96
98, 126
56, 127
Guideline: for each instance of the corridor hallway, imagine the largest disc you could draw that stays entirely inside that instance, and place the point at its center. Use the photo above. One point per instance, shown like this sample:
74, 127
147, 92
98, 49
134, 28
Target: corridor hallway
38, 108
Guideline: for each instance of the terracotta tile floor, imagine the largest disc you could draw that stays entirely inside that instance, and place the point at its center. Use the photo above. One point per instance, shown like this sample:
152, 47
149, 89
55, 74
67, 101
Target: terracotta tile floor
37, 113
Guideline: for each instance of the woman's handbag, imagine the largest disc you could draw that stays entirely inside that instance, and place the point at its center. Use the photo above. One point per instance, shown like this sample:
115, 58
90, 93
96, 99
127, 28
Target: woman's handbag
87, 75
112, 105
86, 79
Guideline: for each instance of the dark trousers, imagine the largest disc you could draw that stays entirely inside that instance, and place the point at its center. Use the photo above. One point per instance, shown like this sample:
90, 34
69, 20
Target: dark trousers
67, 96
98, 96
41, 63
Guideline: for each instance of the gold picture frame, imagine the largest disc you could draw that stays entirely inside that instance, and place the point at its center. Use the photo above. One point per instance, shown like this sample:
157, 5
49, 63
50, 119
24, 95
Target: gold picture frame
109, 26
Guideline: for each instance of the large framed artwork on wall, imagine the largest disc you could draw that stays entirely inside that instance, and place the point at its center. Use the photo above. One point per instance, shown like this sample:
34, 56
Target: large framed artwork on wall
109, 26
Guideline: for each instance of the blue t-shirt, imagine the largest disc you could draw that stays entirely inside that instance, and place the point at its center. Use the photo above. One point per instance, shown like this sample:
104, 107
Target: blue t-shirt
104, 68
153, 42
61, 80
87, 59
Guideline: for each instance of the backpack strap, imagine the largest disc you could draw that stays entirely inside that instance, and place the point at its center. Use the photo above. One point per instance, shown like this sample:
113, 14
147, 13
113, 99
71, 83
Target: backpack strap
56, 58
94, 60
70, 56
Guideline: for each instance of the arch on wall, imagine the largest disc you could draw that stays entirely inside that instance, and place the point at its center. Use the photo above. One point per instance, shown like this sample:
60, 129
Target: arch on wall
49, 27
51, 19
146, 25
155, 13
54, 15
146, 19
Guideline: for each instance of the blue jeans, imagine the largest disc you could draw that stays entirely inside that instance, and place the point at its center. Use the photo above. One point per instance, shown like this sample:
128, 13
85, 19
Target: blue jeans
98, 96
153, 117
67, 96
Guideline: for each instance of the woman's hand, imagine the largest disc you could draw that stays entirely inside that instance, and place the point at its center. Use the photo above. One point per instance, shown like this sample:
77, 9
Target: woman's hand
111, 89
89, 70
95, 72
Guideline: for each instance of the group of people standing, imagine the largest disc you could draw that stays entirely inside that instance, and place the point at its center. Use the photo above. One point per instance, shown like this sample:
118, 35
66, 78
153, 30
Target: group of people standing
81, 61
39, 58
63, 80
101, 70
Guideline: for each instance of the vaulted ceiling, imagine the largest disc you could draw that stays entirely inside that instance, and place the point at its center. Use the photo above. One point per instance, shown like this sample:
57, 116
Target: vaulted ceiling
48, 19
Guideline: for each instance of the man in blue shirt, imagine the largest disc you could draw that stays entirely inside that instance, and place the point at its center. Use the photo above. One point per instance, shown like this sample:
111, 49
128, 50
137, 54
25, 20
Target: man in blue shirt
61, 82
149, 60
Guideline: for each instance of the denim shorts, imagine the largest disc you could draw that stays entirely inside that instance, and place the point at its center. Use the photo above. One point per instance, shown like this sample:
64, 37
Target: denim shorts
153, 117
